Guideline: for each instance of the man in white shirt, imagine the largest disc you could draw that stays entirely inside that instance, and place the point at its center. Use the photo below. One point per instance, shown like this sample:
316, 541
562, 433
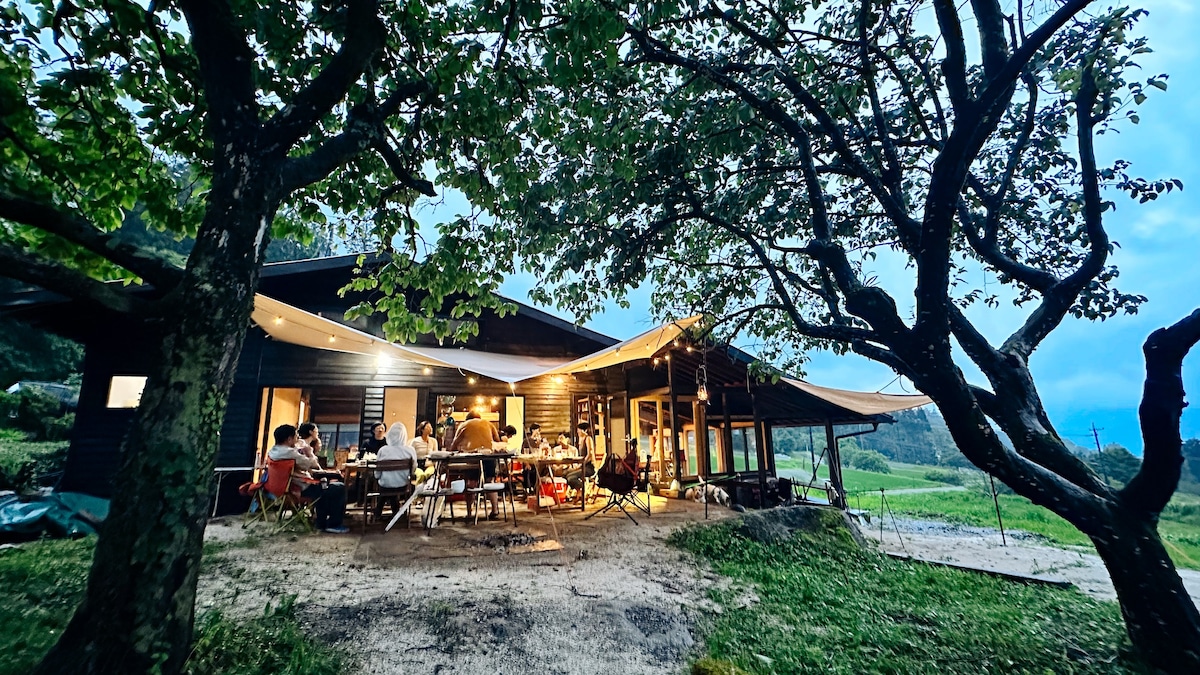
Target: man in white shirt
330, 498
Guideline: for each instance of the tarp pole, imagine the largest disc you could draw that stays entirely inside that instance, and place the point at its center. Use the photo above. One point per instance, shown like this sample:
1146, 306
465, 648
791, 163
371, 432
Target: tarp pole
835, 465
675, 449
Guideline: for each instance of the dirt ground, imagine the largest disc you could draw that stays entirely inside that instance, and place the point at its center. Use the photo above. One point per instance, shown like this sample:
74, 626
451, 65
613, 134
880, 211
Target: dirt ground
1028, 554
553, 594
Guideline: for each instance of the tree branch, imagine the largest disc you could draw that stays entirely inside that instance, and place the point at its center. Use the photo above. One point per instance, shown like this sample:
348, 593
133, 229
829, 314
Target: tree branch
16, 264
954, 66
990, 22
1162, 406
364, 36
363, 131
82, 233
1059, 298
226, 65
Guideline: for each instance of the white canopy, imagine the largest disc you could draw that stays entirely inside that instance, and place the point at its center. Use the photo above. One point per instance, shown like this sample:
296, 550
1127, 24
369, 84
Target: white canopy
861, 402
293, 325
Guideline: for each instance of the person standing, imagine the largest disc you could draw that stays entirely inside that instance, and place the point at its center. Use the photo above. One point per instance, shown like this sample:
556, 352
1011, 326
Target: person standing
330, 498
478, 435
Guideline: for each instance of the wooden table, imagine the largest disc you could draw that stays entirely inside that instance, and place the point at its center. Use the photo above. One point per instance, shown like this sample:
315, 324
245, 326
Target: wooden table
548, 464
441, 471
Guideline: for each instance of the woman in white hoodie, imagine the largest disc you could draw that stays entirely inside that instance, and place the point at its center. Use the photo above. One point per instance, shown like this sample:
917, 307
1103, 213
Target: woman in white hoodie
397, 447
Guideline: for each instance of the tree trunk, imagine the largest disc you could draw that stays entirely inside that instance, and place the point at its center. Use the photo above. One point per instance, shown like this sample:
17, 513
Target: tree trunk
137, 615
1161, 618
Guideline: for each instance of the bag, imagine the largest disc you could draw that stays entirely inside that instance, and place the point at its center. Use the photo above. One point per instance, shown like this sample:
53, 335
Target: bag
615, 475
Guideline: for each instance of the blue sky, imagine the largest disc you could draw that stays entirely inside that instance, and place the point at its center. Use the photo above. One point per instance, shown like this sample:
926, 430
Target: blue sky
1087, 372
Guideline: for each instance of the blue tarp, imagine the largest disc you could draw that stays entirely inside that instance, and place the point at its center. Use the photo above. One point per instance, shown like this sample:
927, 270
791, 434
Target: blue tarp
59, 514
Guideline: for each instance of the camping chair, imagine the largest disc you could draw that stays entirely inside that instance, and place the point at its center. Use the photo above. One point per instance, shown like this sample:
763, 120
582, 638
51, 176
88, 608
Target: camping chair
623, 480
286, 499
260, 501
375, 493
497, 487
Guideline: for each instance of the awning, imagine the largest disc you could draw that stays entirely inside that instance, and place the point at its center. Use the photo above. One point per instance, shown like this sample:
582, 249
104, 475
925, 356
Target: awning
293, 325
861, 402
641, 347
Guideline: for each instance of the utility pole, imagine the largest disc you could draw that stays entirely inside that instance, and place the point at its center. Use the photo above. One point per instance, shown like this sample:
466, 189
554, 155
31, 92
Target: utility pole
1099, 452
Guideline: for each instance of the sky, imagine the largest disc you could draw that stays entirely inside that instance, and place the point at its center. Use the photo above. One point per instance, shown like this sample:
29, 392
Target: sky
1088, 373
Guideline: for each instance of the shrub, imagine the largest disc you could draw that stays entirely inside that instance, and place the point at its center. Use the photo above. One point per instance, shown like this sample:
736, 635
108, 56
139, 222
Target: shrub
943, 476
870, 460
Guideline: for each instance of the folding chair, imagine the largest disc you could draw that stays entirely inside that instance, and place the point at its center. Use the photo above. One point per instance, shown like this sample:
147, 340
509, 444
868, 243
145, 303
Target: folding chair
375, 493
497, 486
260, 501
623, 481
286, 498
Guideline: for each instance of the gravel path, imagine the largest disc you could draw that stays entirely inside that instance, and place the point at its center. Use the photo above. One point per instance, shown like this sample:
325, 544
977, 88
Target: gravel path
1025, 553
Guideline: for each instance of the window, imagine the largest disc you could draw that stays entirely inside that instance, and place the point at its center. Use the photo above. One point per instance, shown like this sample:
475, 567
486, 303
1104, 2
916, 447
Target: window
125, 391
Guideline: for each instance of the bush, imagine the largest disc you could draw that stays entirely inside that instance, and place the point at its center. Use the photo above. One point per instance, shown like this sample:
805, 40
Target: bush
23, 462
870, 460
269, 644
943, 476
36, 412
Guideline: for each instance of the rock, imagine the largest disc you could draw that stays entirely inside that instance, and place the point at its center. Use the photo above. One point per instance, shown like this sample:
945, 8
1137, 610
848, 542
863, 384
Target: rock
777, 524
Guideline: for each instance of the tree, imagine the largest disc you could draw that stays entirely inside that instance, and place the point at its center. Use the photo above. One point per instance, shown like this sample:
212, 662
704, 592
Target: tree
754, 161
283, 113
1116, 463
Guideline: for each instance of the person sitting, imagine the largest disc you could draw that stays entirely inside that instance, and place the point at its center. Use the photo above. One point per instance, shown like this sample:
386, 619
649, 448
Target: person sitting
424, 443
330, 497
375, 442
397, 448
537, 446
587, 450
478, 435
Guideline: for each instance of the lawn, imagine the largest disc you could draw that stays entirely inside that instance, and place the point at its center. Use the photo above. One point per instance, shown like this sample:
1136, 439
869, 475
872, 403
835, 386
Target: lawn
16, 452
43, 582
1179, 526
823, 605
903, 476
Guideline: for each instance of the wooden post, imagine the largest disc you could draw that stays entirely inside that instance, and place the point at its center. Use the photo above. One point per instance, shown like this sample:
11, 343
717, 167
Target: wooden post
835, 466
769, 435
760, 447
676, 451
727, 434
700, 416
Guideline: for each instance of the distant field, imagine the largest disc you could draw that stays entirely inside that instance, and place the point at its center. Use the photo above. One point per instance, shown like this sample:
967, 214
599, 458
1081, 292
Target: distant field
903, 476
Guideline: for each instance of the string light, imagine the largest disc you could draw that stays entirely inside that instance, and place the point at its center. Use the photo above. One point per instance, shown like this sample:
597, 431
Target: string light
471, 380
332, 339
279, 321
478, 400
383, 361
558, 379
494, 401
426, 370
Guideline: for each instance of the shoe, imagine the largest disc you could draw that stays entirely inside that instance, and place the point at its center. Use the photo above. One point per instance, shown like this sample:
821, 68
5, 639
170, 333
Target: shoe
493, 516
341, 529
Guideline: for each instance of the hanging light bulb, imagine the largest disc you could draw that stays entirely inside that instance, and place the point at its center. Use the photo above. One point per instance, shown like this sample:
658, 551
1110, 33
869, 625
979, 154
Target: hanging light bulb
702, 384
471, 380
279, 321
332, 339
426, 370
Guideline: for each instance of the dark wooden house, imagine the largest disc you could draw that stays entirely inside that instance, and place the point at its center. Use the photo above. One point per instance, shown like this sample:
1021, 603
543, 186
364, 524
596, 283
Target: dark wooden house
695, 413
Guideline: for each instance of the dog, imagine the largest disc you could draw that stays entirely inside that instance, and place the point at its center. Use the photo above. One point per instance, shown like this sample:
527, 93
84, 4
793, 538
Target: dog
708, 492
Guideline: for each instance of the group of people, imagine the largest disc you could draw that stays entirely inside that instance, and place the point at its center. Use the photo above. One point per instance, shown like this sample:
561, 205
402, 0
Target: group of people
302, 445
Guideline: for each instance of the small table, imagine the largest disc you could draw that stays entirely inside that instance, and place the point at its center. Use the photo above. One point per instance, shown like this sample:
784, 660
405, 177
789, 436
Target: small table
548, 464
221, 472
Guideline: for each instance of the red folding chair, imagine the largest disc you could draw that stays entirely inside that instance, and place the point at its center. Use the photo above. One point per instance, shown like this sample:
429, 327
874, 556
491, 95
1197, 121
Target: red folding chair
286, 497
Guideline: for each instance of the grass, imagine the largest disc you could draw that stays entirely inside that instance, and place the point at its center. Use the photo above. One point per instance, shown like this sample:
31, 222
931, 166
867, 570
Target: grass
44, 581
16, 452
826, 606
1179, 526
903, 476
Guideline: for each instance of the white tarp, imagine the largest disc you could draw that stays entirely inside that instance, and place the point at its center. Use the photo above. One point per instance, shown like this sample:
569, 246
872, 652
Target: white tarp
861, 402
